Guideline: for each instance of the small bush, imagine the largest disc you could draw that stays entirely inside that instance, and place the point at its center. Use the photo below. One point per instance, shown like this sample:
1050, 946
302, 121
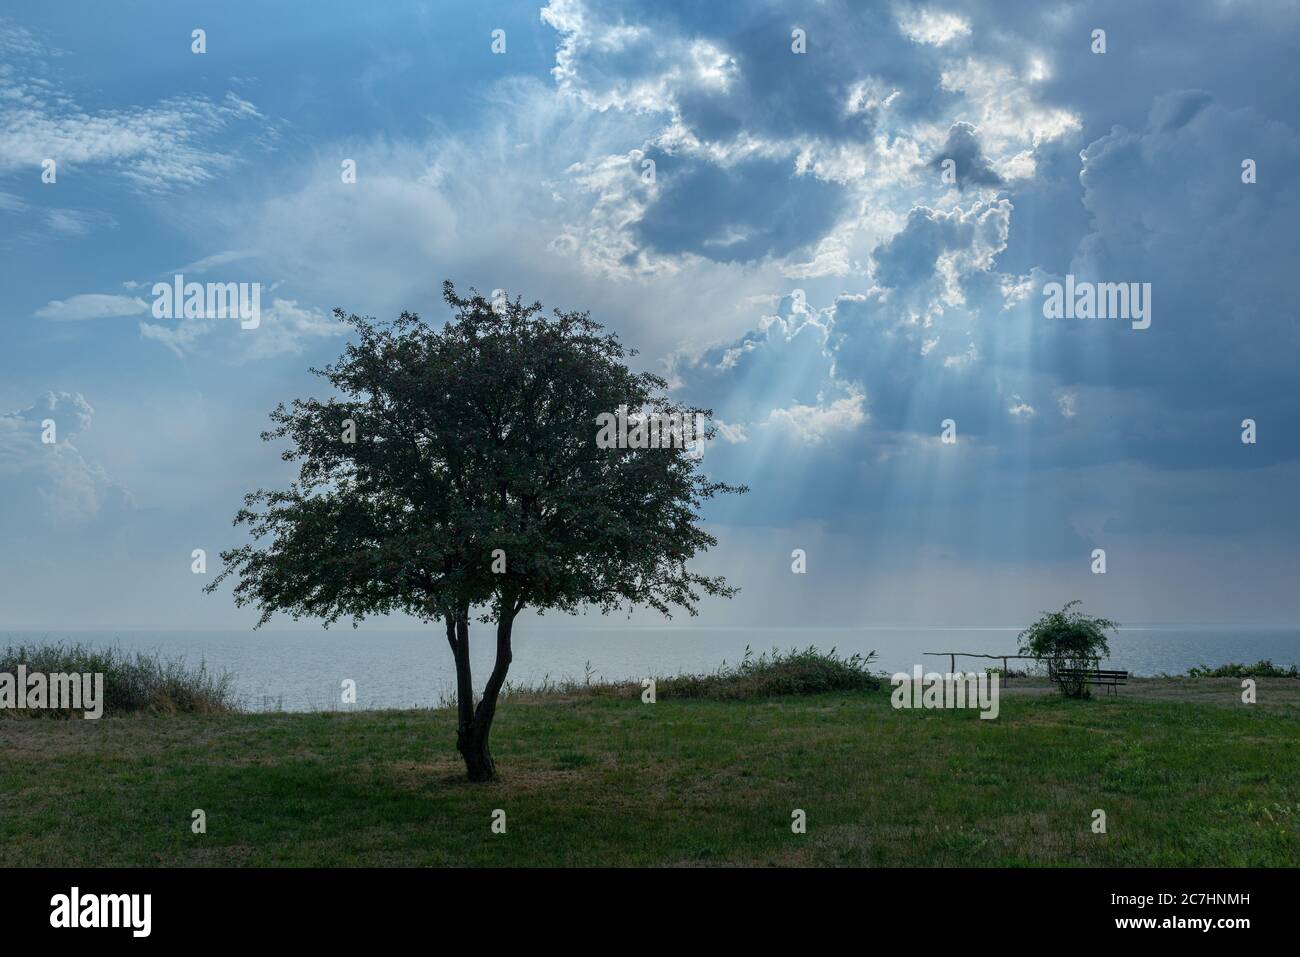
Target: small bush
136, 682
771, 674
1260, 669
1069, 641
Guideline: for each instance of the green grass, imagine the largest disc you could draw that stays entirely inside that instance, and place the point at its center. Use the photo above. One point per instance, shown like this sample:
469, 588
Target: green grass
1187, 775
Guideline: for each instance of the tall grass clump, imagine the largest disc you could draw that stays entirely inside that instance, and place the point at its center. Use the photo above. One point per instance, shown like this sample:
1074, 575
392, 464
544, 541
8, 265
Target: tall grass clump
776, 673
768, 675
1260, 669
133, 681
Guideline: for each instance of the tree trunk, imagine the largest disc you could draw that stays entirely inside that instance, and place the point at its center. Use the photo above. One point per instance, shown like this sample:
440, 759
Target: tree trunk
458, 638
475, 724
472, 743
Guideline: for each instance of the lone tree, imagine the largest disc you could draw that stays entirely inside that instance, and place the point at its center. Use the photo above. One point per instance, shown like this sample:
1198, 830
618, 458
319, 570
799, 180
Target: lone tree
457, 474
1070, 642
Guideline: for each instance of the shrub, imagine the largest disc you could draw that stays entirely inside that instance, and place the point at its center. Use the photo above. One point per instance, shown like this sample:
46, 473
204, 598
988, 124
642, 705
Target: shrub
133, 682
1260, 669
1069, 641
770, 674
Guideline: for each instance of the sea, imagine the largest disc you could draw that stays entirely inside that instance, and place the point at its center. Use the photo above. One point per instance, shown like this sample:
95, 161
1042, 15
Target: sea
305, 670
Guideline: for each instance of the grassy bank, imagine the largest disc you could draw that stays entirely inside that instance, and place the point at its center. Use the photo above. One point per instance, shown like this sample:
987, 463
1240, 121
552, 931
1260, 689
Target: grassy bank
1187, 775
132, 681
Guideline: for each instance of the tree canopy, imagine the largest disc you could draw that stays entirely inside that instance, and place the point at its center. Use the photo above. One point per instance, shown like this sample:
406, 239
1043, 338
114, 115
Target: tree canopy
456, 468
1068, 639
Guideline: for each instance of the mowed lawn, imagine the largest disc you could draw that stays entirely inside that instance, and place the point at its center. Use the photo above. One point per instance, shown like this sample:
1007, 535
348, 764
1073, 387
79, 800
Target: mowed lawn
1186, 774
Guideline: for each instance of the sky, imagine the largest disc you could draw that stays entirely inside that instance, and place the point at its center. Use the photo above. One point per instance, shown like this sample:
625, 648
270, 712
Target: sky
835, 224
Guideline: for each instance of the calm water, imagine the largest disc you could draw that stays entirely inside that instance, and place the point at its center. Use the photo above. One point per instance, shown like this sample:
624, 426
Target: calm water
302, 670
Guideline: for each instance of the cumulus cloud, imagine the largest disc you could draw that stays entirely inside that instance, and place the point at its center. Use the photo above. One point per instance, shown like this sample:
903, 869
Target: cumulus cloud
970, 166
50, 483
815, 423
1167, 206
934, 27
803, 160
767, 166
1001, 100
774, 228
945, 332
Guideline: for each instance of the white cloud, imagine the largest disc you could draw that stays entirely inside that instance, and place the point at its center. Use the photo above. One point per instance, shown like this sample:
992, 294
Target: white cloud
206, 263
17, 41
284, 328
595, 59
731, 434
962, 360
51, 483
528, 221
156, 148
91, 306
71, 222
933, 27
287, 329
181, 336
1020, 409
1006, 112
813, 423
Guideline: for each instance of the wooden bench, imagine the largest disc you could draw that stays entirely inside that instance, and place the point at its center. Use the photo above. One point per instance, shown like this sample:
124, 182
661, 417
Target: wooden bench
1093, 676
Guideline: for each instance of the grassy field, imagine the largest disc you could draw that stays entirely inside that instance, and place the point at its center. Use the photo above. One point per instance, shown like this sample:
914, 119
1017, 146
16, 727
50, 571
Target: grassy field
1186, 774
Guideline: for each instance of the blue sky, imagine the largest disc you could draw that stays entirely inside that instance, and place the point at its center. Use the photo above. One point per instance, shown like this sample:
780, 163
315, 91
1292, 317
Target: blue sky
798, 262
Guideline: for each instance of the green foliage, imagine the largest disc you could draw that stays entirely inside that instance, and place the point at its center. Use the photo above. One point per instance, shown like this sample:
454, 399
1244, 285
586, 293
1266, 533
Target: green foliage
136, 682
474, 436
1260, 669
768, 675
771, 674
1068, 640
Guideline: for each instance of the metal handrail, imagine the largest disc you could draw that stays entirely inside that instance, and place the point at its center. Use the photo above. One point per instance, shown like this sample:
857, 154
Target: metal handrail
1006, 673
